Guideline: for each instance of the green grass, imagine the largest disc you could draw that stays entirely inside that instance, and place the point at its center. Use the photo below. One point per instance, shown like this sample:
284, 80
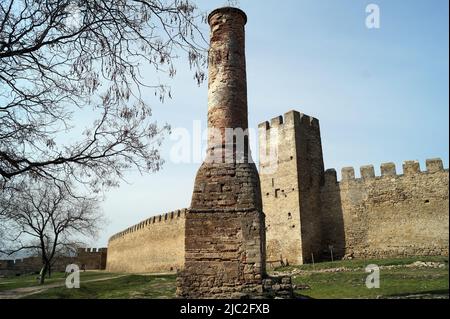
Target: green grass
393, 282
362, 263
126, 287
57, 277
398, 281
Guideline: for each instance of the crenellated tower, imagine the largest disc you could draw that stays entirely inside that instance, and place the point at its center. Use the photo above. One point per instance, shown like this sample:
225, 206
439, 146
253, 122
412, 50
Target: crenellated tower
291, 173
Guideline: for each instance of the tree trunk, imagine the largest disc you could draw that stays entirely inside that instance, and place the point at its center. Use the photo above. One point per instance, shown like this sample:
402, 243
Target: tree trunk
42, 274
49, 270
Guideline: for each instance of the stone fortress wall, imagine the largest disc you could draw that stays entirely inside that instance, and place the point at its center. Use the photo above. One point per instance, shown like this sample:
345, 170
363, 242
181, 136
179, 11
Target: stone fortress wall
154, 245
92, 258
309, 213
291, 169
85, 258
388, 215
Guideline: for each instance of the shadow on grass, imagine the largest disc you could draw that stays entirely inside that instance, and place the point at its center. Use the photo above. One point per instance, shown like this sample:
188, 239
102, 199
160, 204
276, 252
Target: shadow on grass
427, 292
300, 296
125, 287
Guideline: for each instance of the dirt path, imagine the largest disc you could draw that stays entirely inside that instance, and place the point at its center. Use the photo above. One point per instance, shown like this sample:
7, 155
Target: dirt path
28, 291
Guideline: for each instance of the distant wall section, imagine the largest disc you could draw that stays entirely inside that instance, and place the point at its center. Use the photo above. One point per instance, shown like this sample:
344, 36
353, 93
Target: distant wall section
85, 258
92, 258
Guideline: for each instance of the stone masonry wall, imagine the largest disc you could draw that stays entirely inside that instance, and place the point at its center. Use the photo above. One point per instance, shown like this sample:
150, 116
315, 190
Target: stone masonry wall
92, 258
279, 188
310, 175
291, 173
154, 245
388, 215
309, 213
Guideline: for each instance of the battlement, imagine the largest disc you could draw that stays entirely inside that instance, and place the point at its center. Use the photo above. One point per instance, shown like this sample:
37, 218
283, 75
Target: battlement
91, 250
367, 172
180, 213
291, 118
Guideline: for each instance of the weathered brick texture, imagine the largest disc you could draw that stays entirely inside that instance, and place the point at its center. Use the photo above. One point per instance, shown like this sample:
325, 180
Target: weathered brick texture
224, 245
227, 86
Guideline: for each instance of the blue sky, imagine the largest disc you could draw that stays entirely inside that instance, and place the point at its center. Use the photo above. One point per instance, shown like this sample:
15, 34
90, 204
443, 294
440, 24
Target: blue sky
381, 95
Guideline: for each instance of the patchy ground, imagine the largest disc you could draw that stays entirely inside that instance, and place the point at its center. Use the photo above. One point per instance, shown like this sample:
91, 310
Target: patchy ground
25, 286
415, 277
124, 287
400, 278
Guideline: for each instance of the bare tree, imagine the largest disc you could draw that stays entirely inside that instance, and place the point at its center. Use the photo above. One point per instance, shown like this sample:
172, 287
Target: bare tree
43, 216
62, 60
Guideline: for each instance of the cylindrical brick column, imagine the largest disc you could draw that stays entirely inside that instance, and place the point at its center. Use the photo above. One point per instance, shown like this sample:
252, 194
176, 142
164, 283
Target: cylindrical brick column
224, 248
227, 86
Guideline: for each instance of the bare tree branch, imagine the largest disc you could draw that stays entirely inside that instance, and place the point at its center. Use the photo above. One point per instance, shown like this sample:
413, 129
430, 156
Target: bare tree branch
62, 60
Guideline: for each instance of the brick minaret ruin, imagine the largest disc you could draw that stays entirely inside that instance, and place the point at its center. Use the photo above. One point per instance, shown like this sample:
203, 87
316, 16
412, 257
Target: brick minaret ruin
224, 233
